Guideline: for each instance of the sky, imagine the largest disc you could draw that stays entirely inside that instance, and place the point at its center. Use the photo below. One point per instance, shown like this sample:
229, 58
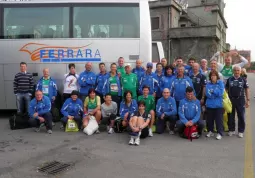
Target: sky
241, 26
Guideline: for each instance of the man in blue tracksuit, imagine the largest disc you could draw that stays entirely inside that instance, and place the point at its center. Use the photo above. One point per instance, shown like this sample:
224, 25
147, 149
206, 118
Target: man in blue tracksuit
159, 76
39, 112
166, 111
189, 112
139, 69
238, 91
179, 84
149, 79
86, 80
100, 80
47, 85
72, 109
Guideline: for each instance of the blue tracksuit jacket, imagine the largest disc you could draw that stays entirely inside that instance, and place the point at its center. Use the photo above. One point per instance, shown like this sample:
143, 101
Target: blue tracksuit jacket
52, 87
139, 72
189, 110
149, 80
178, 87
41, 107
166, 106
166, 82
86, 81
159, 79
106, 87
72, 108
214, 94
131, 109
100, 80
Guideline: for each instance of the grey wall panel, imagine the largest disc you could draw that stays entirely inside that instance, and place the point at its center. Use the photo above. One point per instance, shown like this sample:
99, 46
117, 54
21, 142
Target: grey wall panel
2, 89
10, 70
57, 71
9, 95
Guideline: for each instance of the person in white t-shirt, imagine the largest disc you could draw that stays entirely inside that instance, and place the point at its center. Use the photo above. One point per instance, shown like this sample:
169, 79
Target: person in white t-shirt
70, 82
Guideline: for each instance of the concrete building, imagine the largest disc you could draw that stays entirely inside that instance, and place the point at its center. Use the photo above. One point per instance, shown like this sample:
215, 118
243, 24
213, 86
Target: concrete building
199, 32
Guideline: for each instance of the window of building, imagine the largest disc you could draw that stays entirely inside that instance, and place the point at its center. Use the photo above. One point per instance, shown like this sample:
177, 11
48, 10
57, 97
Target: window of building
155, 53
106, 21
183, 25
155, 23
36, 22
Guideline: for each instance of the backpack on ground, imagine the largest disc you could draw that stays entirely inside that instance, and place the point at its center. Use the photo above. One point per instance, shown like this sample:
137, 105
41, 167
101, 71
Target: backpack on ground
118, 127
19, 121
191, 132
92, 126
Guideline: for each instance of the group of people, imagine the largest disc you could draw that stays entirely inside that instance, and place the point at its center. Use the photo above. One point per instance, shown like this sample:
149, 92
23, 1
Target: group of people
171, 97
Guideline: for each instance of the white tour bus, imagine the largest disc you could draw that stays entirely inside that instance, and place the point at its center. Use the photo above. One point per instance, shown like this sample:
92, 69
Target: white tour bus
54, 33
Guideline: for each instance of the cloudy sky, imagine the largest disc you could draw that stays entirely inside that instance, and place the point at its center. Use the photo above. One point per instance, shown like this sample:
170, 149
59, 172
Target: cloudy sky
241, 26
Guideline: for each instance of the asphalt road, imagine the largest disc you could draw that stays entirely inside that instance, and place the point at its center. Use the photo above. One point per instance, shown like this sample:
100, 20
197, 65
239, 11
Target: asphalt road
103, 155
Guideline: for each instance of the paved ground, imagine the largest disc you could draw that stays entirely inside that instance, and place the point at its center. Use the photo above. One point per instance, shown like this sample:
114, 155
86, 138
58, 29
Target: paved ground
103, 155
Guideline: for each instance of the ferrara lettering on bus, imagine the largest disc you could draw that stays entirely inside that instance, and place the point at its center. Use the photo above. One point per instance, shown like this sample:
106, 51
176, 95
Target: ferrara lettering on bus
46, 53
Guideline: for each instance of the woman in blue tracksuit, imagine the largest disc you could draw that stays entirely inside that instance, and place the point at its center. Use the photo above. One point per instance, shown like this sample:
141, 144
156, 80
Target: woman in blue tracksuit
72, 109
166, 80
127, 107
214, 104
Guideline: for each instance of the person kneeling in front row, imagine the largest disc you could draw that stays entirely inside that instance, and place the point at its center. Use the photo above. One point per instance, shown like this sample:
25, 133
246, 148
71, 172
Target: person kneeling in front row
139, 124
40, 112
72, 109
109, 112
189, 112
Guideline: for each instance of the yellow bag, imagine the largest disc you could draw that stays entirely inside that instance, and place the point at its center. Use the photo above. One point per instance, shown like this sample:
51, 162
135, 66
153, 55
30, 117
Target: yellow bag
71, 126
227, 105
225, 121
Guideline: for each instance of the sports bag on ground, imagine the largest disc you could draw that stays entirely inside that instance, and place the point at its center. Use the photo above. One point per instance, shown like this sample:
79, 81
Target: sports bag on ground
191, 132
118, 127
71, 126
92, 126
19, 121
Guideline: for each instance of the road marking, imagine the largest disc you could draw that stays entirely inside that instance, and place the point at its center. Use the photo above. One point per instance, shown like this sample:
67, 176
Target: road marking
248, 156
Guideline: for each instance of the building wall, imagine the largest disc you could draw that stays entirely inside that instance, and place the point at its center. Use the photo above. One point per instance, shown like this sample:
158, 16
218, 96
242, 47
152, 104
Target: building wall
202, 16
199, 48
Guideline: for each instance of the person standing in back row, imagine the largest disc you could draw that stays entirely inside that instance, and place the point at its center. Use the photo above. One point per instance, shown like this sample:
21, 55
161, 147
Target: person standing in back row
70, 82
23, 87
121, 68
86, 80
129, 82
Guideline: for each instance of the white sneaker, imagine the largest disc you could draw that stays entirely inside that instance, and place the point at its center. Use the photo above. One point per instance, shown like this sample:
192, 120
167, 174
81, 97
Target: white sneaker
150, 132
132, 141
231, 133
240, 135
171, 132
137, 141
97, 132
49, 131
111, 130
210, 134
218, 137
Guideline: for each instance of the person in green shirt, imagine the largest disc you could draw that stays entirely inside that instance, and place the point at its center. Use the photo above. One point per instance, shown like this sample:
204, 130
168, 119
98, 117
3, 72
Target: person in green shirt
149, 106
129, 82
121, 68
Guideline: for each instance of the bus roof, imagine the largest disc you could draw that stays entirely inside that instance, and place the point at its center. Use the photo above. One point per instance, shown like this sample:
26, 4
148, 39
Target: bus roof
67, 1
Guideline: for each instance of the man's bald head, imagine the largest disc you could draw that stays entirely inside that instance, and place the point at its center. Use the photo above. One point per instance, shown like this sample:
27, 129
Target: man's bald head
46, 72
88, 66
